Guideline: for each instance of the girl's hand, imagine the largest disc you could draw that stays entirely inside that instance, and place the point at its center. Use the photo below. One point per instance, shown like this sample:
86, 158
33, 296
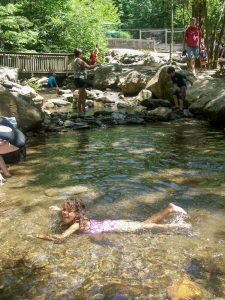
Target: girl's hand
42, 235
50, 237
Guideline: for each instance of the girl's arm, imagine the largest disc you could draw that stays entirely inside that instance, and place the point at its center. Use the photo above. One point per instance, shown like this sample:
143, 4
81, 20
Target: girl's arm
87, 66
56, 237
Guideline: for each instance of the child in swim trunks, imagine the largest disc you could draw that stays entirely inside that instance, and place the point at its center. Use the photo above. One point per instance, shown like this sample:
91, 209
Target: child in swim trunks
74, 214
179, 82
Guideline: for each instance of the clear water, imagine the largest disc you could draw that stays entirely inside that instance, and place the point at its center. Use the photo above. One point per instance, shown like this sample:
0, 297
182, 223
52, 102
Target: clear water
121, 173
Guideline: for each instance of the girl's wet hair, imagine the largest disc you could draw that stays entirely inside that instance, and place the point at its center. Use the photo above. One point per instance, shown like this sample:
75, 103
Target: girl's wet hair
81, 215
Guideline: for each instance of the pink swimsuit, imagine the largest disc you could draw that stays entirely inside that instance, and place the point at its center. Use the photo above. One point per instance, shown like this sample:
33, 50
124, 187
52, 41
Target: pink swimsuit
101, 226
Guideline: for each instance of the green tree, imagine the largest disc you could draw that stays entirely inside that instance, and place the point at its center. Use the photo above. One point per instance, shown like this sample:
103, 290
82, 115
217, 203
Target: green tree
84, 24
16, 31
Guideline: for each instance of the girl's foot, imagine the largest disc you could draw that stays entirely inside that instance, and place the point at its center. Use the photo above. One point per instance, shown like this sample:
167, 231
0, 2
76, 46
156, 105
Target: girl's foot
2, 179
7, 175
176, 209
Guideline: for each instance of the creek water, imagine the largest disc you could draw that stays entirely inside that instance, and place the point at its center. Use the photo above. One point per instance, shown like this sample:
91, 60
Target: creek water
121, 173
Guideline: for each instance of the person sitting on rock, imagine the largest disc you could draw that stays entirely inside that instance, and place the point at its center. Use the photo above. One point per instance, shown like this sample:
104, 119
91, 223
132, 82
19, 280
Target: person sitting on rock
52, 80
75, 215
5, 148
13, 135
180, 87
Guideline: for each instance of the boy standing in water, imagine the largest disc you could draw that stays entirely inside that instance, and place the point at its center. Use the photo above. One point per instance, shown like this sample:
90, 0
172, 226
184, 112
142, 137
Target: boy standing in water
180, 87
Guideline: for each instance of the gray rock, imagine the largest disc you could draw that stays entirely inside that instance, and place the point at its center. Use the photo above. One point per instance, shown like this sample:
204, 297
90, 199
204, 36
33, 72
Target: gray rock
48, 104
7, 73
118, 116
102, 113
134, 119
159, 114
69, 123
153, 103
122, 105
132, 83
60, 102
106, 76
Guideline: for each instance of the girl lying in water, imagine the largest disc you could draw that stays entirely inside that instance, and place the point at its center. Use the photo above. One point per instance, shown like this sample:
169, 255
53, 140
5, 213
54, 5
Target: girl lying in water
74, 214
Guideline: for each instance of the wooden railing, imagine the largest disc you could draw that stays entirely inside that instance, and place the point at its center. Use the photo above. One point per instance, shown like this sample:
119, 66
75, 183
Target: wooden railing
29, 62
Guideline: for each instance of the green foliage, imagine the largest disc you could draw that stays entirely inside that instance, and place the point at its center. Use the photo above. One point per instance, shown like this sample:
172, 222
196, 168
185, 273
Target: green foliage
55, 26
84, 24
15, 29
145, 13
124, 35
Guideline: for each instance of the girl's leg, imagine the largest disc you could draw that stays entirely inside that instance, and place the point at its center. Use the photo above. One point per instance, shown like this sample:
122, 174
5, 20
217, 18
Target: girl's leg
176, 101
181, 103
170, 209
81, 100
134, 226
4, 168
192, 66
84, 101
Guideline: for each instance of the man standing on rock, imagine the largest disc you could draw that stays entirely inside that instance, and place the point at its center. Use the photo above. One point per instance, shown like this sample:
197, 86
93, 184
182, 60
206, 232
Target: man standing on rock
192, 38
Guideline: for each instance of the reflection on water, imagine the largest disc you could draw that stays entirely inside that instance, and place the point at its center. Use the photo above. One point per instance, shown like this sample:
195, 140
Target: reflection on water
123, 172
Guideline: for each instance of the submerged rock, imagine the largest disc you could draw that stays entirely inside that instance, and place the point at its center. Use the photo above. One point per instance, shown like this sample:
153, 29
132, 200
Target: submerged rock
184, 289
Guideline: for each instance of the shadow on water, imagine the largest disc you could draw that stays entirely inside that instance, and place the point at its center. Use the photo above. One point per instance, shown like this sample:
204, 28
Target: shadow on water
82, 140
18, 274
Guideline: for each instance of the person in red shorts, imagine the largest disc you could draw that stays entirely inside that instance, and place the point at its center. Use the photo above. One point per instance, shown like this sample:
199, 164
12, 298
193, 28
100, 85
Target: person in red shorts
192, 39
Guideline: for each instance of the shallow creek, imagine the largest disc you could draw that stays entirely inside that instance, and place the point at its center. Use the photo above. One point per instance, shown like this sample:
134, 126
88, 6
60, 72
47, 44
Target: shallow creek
121, 173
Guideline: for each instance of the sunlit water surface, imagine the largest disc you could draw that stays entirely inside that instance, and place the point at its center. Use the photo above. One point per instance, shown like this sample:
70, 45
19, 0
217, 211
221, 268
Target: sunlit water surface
121, 173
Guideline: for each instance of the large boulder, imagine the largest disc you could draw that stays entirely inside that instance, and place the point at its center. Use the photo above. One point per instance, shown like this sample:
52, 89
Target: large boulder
207, 98
8, 74
27, 114
153, 59
203, 91
132, 83
106, 76
161, 85
215, 110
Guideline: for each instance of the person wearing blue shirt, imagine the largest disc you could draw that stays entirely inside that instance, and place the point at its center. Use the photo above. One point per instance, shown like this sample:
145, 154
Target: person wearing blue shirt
52, 80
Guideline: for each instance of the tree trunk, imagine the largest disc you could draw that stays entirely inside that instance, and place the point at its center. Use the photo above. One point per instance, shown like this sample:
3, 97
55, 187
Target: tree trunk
220, 37
214, 46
